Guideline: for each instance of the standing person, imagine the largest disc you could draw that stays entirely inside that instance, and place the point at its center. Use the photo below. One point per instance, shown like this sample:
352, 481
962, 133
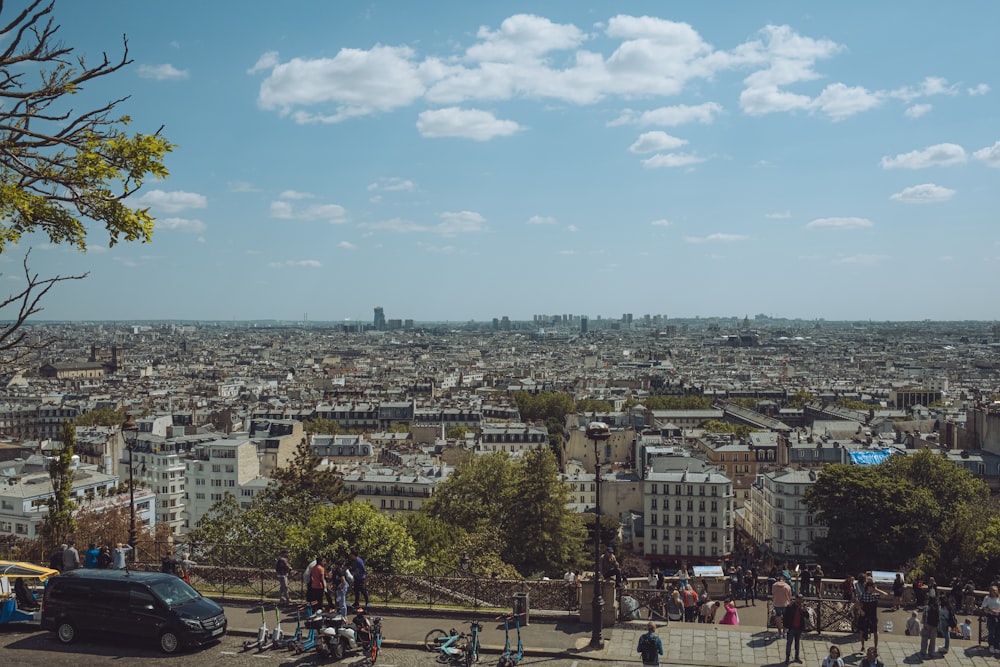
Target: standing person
749, 584
675, 607
847, 592
104, 558
805, 582
928, 633
360, 573
282, 568
340, 591
871, 659
869, 613
833, 659
56, 559
169, 565
795, 622
781, 595
184, 566
118, 556
690, 599
912, 625
90, 557
650, 646
317, 584
947, 621
71, 557
897, 591
991, 609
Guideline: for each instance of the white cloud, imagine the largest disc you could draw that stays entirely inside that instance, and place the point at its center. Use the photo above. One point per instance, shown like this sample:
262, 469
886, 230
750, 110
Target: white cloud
392, 184
523, 37
990, 155
572, 228
651, 142
296, 263
346, 245
670, 116
163, 72
862, 259
718, 237
566, 252
267, 60
662, 222
931, 85
193, 226
839, 101
839, 223
399, 225
464, 123
917, 110
242, 186
541, 220
171, 202
927, 193
332, 213
980, 89
938, 155
441, 250
295, 194
671, 160
780, 215
460, 222
354, 83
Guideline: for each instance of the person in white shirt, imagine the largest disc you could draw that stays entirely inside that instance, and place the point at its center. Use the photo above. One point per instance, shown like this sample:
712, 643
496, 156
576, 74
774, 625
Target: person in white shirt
834, 659
966, 629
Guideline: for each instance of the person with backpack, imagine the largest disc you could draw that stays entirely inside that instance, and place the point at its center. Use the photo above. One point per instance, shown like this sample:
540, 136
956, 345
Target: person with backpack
282, 568
650, 647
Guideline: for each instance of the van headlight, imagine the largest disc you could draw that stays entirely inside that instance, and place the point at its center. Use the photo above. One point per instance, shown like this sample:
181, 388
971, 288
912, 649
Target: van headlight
192, 623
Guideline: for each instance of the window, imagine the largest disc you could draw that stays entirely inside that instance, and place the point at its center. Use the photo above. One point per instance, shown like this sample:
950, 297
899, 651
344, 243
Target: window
653, 534
652, 504
652, 519
216, 468
653, 491
199, 496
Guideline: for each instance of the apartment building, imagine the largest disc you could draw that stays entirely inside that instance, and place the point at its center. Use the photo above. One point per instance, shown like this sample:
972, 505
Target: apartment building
215, 468
395, 491
688, 516
778, 518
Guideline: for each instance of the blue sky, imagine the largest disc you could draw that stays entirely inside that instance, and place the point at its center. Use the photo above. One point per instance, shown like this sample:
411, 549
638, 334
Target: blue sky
457, 161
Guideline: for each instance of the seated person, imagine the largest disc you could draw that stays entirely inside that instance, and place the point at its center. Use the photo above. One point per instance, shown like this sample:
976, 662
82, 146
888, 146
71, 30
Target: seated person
966, 629
25, 599
913, 625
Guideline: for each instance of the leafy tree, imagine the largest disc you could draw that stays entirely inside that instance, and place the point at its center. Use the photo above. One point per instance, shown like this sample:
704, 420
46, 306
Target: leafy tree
321, 426
431, 536
456, 433
716, 426
539, 508
476, 495
671, 402
101, 417
800, 399
335, 530
62, 167
593, 405
306, 480
909, 508
852, 404
60, 523
399, 427
249, 537
544, 405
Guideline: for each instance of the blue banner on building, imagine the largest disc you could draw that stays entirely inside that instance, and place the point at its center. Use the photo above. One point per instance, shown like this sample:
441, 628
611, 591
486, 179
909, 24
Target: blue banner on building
870, 458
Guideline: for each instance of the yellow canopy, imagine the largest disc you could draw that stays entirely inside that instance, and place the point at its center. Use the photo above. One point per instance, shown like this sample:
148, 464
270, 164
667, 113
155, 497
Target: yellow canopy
15, 570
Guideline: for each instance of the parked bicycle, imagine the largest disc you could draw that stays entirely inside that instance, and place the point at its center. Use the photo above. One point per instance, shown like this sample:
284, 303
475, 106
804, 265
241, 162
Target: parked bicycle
454, 647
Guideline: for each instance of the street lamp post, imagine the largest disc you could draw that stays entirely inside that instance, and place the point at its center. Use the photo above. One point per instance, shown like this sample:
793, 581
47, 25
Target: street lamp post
597, 432
130, 431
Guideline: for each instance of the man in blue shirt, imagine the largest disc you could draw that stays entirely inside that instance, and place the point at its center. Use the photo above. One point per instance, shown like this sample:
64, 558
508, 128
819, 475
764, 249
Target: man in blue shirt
360, 579
650, 646
90, 557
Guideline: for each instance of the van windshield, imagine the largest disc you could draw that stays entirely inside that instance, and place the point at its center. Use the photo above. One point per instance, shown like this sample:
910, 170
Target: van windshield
173, 592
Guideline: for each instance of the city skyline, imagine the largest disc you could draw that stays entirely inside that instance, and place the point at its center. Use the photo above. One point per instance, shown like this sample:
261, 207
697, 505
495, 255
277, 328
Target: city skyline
475, 161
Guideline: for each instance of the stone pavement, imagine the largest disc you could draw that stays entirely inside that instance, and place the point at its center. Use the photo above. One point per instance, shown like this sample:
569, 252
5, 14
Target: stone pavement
697, 645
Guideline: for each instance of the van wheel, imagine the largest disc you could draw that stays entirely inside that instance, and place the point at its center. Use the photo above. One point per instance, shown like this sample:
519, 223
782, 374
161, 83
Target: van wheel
169, 643
66, 632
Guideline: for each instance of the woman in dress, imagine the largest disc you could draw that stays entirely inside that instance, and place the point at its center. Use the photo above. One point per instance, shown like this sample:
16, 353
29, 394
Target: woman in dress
730, 617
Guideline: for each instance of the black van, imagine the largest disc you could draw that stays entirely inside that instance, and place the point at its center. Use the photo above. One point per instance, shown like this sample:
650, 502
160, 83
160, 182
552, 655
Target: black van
141, 605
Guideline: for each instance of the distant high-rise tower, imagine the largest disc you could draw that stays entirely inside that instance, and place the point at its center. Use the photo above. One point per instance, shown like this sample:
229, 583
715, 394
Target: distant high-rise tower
379, 319
584, 322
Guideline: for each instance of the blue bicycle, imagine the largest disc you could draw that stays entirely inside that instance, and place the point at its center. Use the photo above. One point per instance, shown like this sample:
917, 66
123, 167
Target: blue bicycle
454, 647
510, 658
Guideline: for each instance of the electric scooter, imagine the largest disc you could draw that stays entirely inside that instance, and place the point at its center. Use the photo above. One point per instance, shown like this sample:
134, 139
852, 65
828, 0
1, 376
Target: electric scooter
263, 640
277, 635
508, 658
287, 641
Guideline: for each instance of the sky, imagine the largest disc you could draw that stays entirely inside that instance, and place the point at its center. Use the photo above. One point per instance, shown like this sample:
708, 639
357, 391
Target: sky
468, 160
